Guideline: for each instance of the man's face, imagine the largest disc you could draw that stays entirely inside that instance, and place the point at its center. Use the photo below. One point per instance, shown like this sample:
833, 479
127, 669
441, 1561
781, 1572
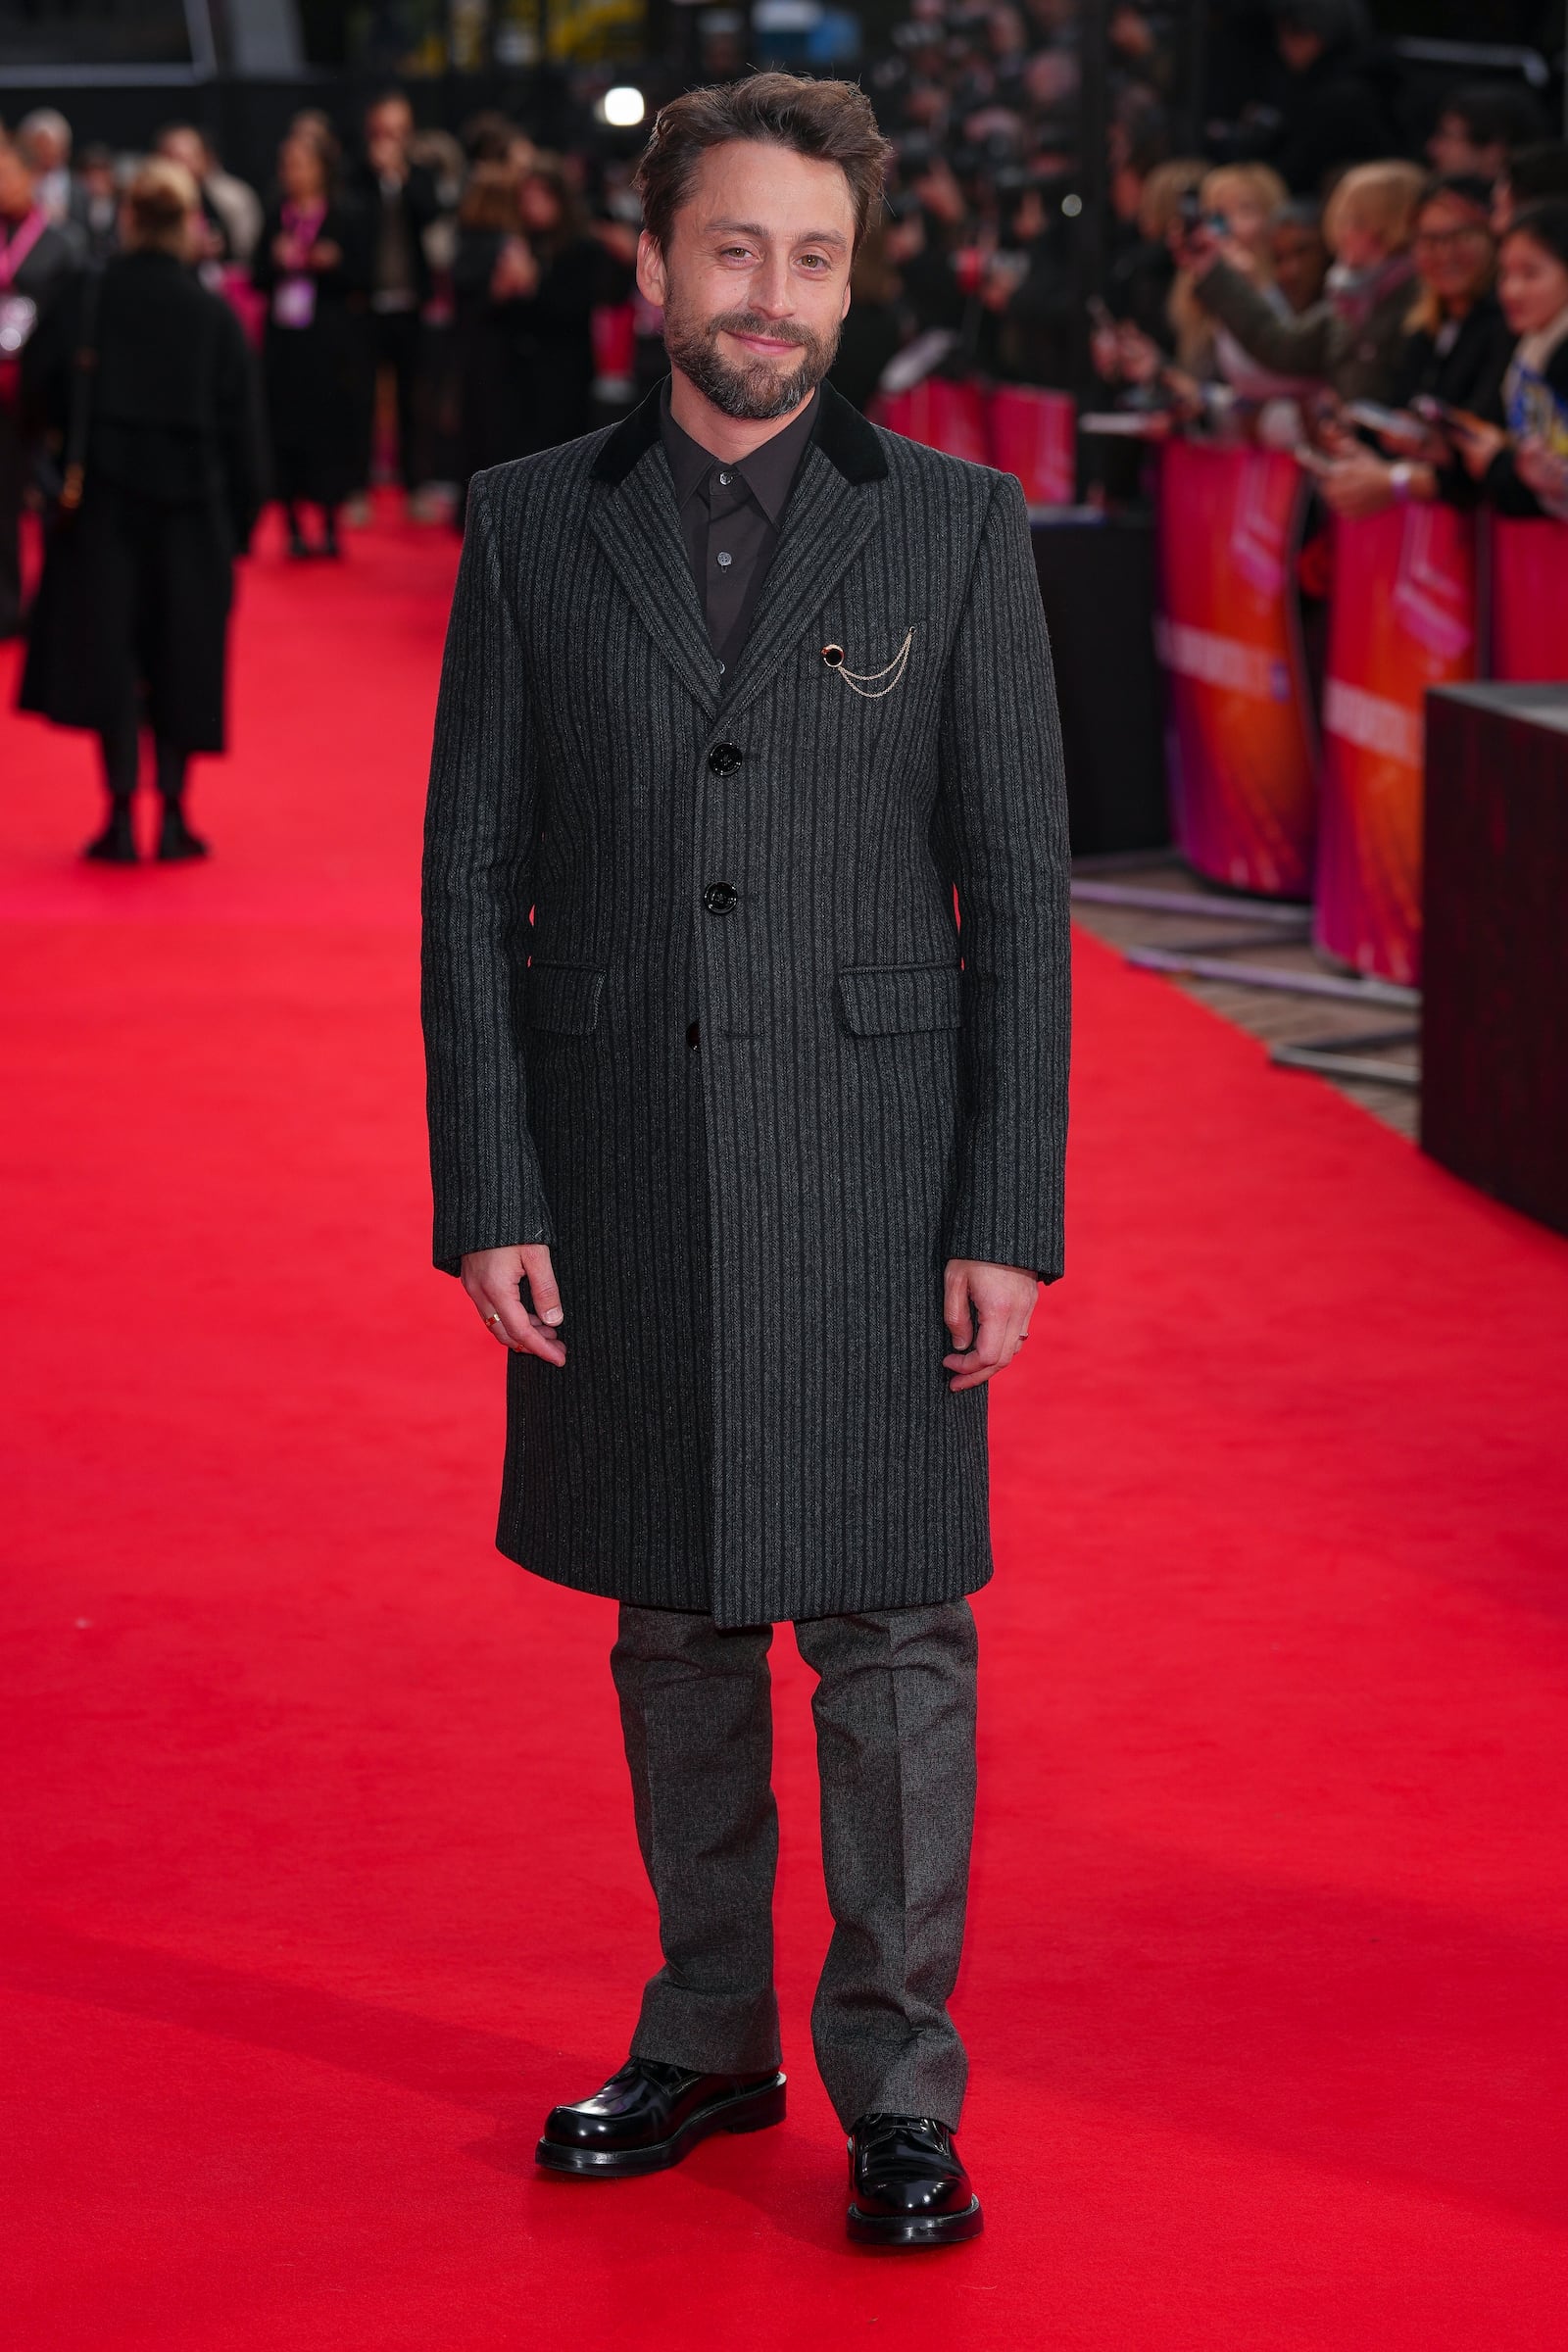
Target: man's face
1452, 148
756, 281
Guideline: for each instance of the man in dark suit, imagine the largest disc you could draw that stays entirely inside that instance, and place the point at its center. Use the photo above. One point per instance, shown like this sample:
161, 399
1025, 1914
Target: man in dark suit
36, 260
400, 201
737, 696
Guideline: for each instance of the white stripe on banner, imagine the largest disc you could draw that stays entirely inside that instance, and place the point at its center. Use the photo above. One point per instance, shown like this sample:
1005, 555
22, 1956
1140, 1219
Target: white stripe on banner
1216, 660
1372, 722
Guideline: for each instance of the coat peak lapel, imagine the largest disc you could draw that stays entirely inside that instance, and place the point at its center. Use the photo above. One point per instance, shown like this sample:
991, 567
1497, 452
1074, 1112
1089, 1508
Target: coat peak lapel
632, 515
826, 524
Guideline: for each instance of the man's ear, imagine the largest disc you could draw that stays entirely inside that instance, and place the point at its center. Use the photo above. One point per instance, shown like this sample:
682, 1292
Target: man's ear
651, 280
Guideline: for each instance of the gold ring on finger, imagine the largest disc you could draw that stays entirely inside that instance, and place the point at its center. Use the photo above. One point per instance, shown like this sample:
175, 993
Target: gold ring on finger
491, 1321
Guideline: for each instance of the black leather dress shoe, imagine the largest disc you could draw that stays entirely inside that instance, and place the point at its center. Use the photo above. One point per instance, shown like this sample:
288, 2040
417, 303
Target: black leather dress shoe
649, 2115
908, 2186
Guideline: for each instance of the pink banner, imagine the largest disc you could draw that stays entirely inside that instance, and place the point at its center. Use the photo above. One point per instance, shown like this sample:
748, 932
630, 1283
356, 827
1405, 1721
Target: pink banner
1529, 602
1241, 755
1034, 435
1401, 618
944, 415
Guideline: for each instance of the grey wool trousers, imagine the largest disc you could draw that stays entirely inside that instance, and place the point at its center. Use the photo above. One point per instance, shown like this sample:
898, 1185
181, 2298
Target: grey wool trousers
895, 1714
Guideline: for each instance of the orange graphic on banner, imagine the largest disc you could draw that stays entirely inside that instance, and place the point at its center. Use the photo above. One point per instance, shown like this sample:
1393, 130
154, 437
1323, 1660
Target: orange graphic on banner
1401, 618
1241, 754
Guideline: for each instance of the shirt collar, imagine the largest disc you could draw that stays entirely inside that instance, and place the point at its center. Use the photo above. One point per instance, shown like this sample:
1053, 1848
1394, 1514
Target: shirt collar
768, 473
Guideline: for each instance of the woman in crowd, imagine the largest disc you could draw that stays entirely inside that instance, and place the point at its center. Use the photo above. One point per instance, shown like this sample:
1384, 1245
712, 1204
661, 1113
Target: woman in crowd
562, 273
1239, 203
314, 266
484, 277
1353, 340
130, 628
1521, 461
1455, 349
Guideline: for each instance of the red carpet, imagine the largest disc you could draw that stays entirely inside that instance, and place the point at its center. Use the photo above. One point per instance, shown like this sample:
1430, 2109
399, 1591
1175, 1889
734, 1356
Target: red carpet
321, 1883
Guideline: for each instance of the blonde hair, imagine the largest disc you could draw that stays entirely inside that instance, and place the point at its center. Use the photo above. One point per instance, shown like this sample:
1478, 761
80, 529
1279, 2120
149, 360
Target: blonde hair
159, 203
1194, 327
1382, 197
1161, 194
1261, 181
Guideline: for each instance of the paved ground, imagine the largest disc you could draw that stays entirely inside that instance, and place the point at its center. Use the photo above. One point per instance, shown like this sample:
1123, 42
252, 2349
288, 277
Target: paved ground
1278, 1018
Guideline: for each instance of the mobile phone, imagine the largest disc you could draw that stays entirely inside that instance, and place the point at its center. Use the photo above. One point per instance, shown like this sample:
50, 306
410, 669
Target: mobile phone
1394, 424
1446, 416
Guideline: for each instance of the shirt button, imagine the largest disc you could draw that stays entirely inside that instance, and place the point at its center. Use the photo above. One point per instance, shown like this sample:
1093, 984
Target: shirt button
721, 897
725, 561
724, 480
724, 758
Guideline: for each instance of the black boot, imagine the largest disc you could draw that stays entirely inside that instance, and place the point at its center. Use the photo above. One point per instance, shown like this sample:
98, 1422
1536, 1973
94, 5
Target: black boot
299, 547
329, 540
176, 839
908, 2186
115, 845
649, 2115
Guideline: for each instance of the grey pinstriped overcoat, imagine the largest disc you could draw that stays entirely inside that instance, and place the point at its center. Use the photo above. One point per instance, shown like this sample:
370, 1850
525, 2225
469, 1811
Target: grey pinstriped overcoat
750, 1235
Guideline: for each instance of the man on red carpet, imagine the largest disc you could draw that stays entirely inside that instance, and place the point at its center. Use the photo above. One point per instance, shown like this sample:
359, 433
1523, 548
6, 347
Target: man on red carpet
737, 696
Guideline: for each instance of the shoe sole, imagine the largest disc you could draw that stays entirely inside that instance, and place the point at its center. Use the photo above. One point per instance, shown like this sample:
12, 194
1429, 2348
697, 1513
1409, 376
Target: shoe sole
915, 2229
744, 2110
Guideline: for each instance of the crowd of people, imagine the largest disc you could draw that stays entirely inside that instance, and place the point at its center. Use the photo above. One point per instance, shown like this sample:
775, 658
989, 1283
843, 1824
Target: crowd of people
436, 304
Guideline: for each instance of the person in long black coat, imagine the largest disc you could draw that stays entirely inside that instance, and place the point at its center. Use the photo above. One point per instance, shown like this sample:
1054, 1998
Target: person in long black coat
313, 263
35, 259
489, 227
130, 624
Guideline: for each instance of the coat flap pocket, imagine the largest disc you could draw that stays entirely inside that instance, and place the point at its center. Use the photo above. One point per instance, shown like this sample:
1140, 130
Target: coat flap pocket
564, 996
894, 999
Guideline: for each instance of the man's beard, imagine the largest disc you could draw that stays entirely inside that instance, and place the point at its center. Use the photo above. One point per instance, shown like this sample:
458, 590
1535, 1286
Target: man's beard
754, 390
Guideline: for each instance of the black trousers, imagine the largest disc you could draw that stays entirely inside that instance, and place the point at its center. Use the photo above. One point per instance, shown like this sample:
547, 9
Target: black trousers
895, 1715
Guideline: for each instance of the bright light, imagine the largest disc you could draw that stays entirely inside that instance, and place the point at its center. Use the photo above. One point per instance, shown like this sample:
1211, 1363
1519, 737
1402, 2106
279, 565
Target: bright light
623, 107
1072, 206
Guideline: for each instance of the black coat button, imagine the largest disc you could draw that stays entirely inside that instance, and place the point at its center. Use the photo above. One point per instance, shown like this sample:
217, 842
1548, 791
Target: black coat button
721, 897
725, 757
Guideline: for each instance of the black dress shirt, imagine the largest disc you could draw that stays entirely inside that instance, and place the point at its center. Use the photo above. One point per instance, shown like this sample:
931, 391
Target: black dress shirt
730, 514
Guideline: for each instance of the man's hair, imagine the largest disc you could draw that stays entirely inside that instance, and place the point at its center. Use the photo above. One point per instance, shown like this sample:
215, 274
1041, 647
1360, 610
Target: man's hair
1496, 114
1536, 171
830, 122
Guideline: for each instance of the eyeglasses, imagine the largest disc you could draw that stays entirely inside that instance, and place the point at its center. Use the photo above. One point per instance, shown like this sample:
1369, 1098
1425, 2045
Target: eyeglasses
1443, 240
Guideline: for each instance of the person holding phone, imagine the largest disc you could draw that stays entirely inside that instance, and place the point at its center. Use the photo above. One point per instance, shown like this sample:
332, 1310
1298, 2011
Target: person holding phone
1521, 459
1456, 348
1353, 340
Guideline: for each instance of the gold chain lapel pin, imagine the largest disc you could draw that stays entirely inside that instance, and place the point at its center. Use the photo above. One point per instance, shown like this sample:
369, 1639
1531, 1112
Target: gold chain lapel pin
865, 681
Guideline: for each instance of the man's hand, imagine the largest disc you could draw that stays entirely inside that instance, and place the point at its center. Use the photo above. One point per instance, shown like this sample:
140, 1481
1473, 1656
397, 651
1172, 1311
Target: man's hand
1003, 1298
491, 1278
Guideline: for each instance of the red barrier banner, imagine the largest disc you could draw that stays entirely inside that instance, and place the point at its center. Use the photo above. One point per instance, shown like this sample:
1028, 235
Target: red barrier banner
943, 415
1241, 754
1401, 618
1034, 435
1529, 602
